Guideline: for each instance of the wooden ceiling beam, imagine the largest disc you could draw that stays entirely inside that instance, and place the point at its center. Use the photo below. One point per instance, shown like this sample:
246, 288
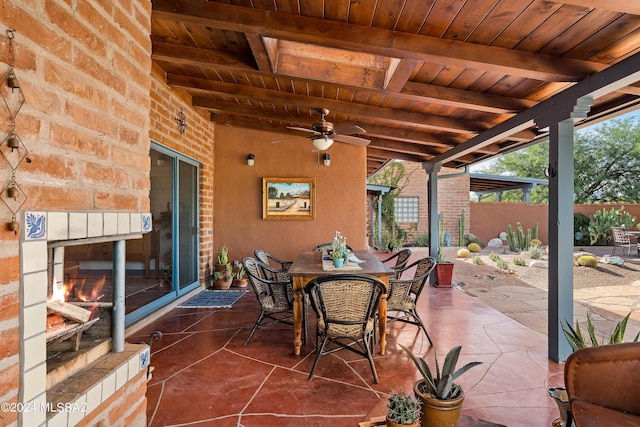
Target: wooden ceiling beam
394, 44
415, 91
388, 115
387, 154
622, 6
260, 53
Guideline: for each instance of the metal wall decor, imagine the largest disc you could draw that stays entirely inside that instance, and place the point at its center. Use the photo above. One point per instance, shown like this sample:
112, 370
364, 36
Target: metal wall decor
181, 121
12, 149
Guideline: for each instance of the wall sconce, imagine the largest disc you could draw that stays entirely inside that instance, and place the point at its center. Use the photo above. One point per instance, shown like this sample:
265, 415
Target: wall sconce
327, 159
181, 121
251, 159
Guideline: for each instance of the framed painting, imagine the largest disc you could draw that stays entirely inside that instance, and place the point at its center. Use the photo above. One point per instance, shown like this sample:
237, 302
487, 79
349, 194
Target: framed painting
288, 198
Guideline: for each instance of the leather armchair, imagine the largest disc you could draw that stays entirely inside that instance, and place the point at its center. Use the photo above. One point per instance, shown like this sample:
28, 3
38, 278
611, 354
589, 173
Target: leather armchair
603, 385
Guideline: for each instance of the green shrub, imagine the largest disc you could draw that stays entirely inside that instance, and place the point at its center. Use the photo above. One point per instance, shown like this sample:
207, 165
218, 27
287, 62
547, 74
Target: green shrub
519, 261
502, 264
494, 256
423, 240
577, 340
477, 260
601, 221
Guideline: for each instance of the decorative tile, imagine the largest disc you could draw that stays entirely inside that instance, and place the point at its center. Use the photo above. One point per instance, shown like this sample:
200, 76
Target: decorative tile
145, 359
35, 225
146, 222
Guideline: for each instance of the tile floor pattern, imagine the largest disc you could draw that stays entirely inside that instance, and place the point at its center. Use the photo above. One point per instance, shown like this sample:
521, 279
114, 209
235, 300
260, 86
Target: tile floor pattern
205, 376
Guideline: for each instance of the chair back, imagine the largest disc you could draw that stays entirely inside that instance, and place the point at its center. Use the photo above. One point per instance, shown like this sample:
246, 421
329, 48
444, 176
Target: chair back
274, 273
620, 235
325, 246
605, 376
412, 287
273, 294
345, 303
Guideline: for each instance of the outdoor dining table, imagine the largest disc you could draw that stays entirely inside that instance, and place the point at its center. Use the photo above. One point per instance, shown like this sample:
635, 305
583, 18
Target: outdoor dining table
308, 265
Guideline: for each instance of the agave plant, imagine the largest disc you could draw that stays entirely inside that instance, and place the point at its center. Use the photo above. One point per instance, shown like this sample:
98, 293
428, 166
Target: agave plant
441, 385
577, 340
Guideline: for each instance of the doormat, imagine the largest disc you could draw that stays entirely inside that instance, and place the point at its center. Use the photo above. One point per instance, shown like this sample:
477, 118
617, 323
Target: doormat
213, 299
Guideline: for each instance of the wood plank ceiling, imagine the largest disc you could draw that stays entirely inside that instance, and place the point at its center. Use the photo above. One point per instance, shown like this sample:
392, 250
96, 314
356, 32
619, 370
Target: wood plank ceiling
420, 76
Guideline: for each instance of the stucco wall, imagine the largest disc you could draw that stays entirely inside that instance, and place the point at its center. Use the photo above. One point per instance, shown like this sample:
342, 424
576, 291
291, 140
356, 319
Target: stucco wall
238, 223
489, 219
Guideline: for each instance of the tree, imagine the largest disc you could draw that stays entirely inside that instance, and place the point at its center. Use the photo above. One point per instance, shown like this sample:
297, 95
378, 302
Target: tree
530, 163
606, 165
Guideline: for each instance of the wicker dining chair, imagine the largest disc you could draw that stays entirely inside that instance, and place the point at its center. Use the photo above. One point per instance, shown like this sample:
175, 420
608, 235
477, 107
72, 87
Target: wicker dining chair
404, 293
400, 260
282, 266
346, 306
275, 297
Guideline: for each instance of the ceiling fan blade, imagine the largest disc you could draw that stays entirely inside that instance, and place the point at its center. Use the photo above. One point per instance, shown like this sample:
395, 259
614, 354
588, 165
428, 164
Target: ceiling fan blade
349, 129
301, 129
352, 140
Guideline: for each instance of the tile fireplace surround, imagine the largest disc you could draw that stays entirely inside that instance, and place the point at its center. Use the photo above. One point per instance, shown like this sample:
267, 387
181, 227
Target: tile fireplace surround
82, 395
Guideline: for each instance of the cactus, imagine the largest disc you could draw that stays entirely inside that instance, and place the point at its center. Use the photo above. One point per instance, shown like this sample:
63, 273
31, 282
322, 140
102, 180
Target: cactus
600, 224
441, 230
535, 232
520, 241
461, 229
477, 260
587, 261
535, 252
494, 256
473, 247
502, 264
536, 242
463, 253
519, 261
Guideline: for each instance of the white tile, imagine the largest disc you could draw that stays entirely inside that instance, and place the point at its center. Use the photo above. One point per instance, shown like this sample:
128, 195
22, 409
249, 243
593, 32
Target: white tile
134, 366
94, 398
59, 420
37, 414
34, 320
34, 383
78, 411
108, 386
136, 223
110, 223
124, 223
35, 351
57, 226
122, 375
78, 225
34, 288
94, 224
34, 256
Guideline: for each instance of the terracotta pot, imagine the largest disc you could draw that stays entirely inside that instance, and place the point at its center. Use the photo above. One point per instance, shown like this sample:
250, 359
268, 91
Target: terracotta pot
223, 283
240, 283
392, 424
444, 274
438, 413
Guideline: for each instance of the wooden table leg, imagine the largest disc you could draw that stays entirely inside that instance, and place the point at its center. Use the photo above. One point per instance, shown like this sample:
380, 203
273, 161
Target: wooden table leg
382, 319
298, 300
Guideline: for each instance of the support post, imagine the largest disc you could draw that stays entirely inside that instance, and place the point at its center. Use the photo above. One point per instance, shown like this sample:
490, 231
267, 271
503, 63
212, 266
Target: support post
432, 170
118, 314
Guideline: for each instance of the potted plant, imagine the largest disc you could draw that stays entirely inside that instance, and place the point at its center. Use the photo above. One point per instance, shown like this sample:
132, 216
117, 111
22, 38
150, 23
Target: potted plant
240, 276
441, 398
338, 258
404, 410
443, 270
222, 276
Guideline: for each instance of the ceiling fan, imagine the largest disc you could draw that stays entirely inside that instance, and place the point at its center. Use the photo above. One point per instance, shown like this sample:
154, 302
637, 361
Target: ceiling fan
324, 133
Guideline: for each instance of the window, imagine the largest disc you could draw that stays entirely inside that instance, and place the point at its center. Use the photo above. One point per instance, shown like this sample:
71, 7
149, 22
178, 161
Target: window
407, 209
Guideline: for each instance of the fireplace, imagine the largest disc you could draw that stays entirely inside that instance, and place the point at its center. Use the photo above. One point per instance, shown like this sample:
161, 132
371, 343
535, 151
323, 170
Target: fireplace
101, 364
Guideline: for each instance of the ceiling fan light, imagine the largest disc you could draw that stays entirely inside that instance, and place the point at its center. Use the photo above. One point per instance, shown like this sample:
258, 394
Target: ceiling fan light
322, 142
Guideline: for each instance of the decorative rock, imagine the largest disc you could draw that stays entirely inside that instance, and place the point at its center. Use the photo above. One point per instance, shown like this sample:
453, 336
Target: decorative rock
494, 243
503, 236
612, 259
538, 264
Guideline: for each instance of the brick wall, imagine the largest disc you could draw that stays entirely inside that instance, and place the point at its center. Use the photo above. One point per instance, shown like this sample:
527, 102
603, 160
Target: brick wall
84, 70
453, 198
